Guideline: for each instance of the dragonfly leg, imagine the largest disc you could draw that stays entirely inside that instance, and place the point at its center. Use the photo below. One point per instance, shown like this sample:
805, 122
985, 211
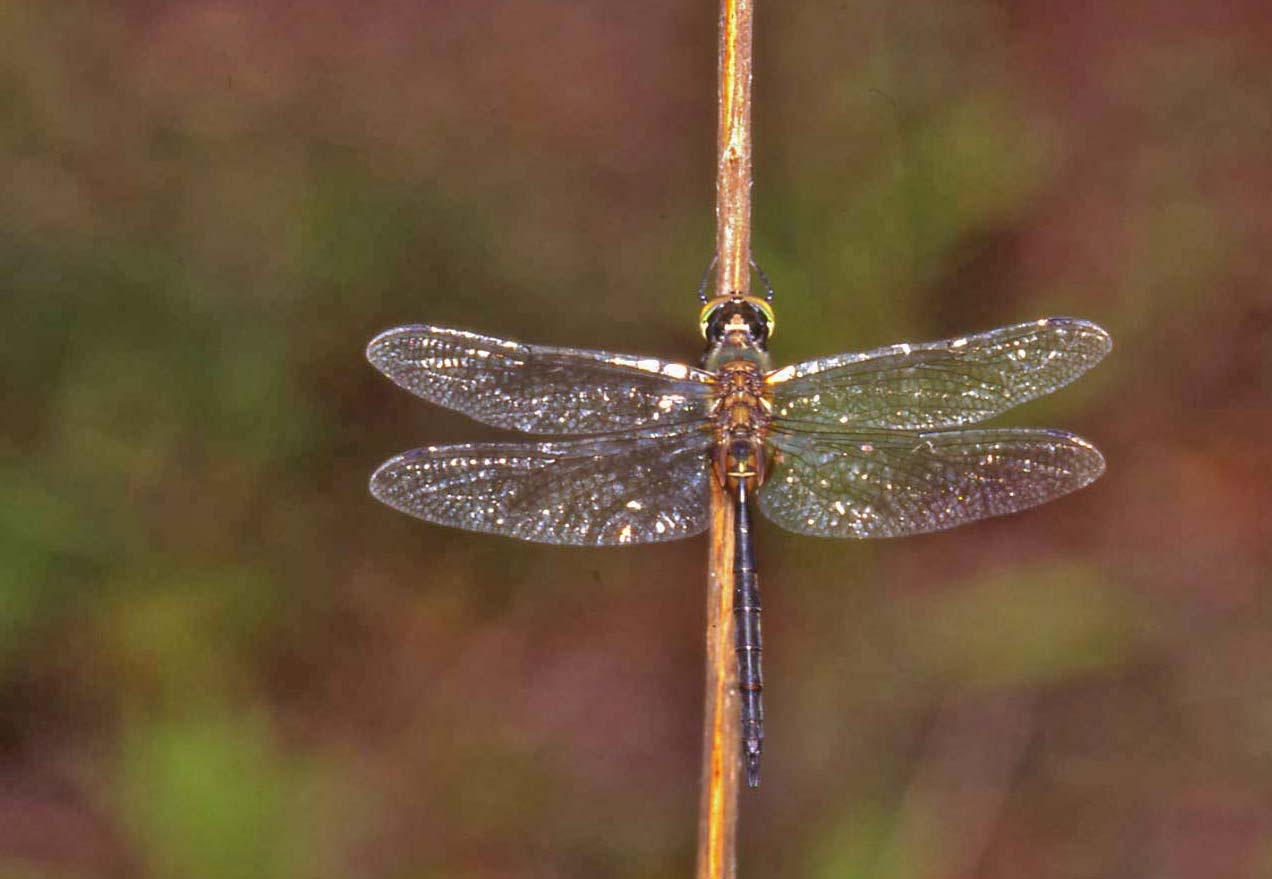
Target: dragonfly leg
764, 279
706, 278
746, 614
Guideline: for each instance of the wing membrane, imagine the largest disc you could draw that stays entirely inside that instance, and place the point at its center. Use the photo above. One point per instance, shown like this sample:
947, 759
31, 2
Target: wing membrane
938, 384
894, 483
538, 389
641, 487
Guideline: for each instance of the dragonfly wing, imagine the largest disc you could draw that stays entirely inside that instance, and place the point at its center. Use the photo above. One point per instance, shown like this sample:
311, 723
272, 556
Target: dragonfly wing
894, 483
938, 384
641, 487
537, 389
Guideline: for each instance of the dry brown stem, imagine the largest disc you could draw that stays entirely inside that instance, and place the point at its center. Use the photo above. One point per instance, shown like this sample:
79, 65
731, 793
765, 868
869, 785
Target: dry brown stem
718, 810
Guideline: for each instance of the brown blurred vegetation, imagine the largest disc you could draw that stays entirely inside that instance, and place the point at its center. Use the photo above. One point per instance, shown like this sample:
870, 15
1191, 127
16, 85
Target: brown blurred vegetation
220, 658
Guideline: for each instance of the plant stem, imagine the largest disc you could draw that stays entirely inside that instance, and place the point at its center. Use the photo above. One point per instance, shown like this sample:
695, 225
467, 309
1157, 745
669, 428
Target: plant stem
718, 809
733, 149
721, 745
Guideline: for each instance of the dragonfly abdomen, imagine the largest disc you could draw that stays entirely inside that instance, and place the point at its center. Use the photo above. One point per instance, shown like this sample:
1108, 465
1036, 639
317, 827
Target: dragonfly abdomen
748, 639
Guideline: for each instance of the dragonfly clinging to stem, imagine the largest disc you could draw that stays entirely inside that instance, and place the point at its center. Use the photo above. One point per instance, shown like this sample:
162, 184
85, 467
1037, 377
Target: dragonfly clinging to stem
863, 445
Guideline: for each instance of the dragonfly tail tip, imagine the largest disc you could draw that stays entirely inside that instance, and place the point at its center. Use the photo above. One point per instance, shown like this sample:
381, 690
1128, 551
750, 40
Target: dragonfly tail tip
753, 770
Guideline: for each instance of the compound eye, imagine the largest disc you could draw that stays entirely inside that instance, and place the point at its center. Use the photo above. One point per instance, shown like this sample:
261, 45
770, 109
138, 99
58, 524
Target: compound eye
705, 318
757, 314
766, 312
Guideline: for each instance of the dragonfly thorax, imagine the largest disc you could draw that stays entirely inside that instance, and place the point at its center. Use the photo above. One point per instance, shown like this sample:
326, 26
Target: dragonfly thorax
740, 416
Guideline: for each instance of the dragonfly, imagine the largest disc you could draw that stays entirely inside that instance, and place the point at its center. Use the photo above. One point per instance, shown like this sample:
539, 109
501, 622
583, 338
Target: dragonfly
864, 445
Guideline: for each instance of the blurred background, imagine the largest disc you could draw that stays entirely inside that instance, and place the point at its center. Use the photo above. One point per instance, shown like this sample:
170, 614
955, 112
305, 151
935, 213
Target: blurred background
220, 658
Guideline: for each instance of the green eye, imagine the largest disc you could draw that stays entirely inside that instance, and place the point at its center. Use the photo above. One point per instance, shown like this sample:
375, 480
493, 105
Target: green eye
767, 310
704, 316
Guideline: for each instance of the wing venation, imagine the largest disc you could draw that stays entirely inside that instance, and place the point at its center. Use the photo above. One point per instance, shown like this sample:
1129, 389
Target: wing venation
938, 384
641, 487
894, 483
537, 389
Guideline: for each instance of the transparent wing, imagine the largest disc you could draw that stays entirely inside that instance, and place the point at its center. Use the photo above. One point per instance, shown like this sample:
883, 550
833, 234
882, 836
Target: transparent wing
894, 483
641, 487
537, 389
938, 384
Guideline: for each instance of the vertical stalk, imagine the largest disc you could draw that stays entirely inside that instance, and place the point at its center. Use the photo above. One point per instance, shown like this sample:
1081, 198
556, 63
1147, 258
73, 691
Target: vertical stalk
718, 809
733, 149
721, 745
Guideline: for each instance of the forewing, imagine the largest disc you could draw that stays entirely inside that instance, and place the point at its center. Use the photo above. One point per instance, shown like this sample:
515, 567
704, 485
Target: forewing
938, 384
642, 487
894, 483
538, 389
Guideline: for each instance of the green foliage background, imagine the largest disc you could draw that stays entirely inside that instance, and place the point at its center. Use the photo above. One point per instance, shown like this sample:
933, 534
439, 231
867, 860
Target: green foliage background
220, 658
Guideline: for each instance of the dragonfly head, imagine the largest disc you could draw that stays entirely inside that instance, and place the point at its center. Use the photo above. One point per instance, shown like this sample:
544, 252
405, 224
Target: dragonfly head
728, 316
